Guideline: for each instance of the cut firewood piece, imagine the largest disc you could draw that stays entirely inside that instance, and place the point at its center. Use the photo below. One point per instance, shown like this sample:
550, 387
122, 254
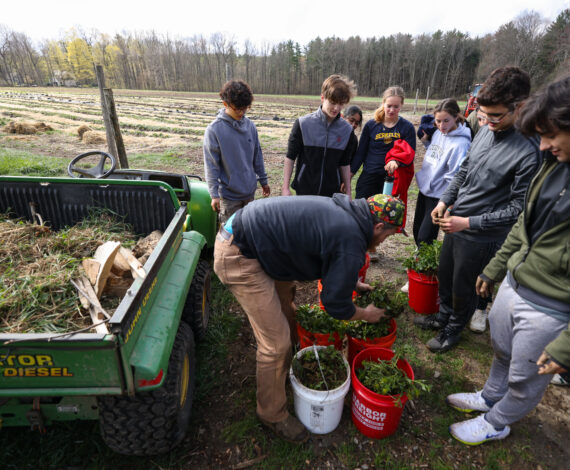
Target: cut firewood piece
105, 254
83, 297
117, 285
97, 313
91, 267
120, 266
146, 245
136, 267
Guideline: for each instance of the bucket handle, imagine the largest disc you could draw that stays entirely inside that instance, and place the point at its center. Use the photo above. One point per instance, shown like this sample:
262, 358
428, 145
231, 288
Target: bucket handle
315, 350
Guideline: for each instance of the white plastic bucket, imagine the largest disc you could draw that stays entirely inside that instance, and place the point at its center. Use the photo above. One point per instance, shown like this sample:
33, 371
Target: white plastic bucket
319, 411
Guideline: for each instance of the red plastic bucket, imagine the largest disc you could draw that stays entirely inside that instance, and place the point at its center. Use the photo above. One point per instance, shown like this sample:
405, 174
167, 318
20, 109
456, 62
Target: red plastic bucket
361, 278
308, 338
355, 345
423, 293
376, 416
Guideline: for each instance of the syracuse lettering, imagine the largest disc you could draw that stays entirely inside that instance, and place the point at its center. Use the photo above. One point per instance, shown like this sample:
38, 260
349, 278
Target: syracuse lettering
31, 365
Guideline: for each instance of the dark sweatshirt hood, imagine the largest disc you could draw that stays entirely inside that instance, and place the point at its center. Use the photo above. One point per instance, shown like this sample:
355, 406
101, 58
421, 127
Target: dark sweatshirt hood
242, 125
358, 209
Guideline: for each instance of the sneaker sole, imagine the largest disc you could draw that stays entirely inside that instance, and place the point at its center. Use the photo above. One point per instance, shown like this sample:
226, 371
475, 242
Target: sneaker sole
476, 330
476, 443
465, 410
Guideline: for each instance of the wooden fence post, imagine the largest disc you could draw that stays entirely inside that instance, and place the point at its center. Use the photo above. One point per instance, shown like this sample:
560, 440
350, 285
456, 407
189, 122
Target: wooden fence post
416, 102
115, 143
427, 100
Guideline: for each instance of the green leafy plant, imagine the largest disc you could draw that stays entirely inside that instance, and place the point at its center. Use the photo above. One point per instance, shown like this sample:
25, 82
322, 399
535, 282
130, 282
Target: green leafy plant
386, 378
386, 296
425, 259
315, 320
363, 330
324, 370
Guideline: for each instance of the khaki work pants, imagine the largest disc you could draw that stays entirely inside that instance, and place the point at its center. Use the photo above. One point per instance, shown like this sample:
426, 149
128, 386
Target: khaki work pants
270, 309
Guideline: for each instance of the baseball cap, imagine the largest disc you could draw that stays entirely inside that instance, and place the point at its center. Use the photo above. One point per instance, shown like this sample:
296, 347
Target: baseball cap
387, 209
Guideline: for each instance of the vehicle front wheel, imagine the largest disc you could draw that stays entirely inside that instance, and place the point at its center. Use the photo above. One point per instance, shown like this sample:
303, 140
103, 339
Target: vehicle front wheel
153, 422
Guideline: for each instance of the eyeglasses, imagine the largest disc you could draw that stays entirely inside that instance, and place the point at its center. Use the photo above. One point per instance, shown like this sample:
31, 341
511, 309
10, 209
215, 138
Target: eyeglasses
492, 118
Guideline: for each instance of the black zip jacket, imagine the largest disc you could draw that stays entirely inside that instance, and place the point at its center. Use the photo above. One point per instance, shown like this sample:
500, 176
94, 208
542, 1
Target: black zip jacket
320, 149
490, 186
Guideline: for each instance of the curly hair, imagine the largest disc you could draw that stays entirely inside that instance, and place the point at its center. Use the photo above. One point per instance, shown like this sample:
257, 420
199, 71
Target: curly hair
237, 93
338, 89
546, 111
506, 85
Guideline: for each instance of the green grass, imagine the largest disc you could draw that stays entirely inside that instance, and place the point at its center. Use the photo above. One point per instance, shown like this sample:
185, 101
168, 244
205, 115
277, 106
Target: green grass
21, 163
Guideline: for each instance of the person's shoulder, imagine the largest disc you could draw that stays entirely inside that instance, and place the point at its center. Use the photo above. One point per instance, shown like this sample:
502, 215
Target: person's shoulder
405, 123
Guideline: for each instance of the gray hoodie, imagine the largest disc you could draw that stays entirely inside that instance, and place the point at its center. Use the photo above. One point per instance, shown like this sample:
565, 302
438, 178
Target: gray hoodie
306, 238
232, 158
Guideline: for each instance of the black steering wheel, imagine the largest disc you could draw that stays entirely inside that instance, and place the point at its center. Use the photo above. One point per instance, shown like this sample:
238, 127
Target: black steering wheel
97, 171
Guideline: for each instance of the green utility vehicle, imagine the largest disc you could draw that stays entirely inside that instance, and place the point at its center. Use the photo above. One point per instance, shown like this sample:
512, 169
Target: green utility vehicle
137, 380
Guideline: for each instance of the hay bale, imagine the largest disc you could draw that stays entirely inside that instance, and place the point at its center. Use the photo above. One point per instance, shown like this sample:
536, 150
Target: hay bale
82, 130
94, 137
26, 127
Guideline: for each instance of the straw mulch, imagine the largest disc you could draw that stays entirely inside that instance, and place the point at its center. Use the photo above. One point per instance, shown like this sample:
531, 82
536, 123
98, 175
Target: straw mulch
36, 266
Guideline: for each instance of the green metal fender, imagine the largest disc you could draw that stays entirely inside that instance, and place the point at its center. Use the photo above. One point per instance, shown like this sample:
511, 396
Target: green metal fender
154, 344
202, 218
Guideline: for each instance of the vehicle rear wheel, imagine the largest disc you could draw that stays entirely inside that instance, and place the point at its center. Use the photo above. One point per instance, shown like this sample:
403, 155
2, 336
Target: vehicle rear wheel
153, 422
197, 306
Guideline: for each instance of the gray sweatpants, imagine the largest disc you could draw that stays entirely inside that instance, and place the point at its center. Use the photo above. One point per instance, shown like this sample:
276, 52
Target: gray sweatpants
519, 334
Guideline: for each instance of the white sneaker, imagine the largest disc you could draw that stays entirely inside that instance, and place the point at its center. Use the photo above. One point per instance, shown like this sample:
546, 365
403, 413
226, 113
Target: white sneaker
478, 321
557, 379
468, 402
405, 287
476, 431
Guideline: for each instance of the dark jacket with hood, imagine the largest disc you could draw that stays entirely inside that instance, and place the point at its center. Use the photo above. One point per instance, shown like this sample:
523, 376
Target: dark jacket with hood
320, 148
490, 186
306, 238
232, 158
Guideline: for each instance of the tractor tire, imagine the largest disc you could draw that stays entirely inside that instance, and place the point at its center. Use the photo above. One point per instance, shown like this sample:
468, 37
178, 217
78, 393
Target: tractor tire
197, 306
153, 422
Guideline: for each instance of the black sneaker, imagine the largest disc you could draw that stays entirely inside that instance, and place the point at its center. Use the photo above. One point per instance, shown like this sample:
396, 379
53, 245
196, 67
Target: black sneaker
428, 322
442, 342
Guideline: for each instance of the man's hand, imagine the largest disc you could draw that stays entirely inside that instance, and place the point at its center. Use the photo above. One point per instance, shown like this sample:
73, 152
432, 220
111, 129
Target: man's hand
483, 288
547, 366
454, 223
285, 191
371, 314
266, 190
391, 167
363, 287
215, 204
438, 213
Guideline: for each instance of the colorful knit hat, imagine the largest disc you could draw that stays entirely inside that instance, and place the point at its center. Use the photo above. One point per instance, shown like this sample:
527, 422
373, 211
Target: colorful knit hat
387, 209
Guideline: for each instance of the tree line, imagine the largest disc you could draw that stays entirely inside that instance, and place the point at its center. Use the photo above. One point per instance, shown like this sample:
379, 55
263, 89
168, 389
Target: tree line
446, 63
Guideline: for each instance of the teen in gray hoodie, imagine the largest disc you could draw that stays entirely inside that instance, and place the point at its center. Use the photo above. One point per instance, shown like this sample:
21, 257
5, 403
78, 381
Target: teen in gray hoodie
233, 159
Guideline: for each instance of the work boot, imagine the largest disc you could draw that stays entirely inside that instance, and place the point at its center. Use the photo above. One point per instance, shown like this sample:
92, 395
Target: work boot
468, 402
443, 342
478, 322
476, 431
428, 322
290, 429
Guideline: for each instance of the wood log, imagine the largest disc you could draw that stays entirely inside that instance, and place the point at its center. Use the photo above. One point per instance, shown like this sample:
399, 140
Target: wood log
105, 254
120, 266
97, 313
137, 269
117, 285
91, 267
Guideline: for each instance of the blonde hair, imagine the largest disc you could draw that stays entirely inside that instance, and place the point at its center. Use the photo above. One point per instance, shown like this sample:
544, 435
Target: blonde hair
379, 114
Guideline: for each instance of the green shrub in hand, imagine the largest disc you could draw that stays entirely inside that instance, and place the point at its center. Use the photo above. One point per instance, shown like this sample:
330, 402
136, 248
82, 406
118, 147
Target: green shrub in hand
387, 296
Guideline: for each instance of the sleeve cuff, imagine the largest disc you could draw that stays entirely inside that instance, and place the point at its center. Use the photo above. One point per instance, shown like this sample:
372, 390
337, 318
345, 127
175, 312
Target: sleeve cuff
475, 222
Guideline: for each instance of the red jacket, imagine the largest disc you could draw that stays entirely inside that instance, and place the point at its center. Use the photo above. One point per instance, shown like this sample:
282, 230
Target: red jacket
403, 176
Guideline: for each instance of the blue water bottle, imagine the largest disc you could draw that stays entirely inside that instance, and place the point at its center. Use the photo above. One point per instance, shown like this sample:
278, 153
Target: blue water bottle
388, 185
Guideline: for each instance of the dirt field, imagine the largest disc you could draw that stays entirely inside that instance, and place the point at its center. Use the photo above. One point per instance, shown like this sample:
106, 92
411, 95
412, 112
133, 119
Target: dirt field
173, 123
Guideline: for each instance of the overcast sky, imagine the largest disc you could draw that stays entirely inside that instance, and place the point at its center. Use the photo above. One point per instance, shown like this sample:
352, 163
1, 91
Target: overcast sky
267, 21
